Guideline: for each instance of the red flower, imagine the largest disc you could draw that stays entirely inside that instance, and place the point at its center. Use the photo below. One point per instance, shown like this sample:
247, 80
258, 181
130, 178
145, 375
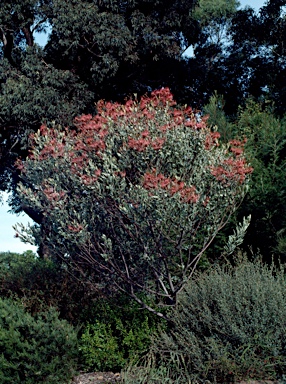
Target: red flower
154, 181
157, 143
145, 133
236, 151
139, 145
75, 229
232, 170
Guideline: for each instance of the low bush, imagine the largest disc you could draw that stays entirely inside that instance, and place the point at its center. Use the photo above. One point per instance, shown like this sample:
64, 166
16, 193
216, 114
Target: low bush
35, 349
116, 333
229, 325
41, 283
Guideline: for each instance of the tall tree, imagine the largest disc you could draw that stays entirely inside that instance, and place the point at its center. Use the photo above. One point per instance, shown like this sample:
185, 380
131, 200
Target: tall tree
248, 59
32, 90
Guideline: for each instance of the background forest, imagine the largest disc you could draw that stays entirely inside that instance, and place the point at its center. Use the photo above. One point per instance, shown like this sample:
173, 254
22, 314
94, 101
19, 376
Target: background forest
99, 148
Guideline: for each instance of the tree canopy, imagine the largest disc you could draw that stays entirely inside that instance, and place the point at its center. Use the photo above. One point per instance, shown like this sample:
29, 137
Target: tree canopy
244, 55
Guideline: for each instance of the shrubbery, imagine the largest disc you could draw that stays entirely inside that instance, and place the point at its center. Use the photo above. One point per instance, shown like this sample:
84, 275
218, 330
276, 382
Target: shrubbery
113, 329
108, 196
41, 283
265, 149
39, 349
120, 334
230, 324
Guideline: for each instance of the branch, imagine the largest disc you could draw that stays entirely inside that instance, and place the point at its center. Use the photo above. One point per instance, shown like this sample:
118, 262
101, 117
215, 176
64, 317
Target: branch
28, 36
39, 23
8, 42
144, 305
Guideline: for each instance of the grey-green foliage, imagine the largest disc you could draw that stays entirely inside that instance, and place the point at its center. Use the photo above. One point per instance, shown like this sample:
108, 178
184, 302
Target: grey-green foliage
236, 239
40, 349
147, 217
230, 324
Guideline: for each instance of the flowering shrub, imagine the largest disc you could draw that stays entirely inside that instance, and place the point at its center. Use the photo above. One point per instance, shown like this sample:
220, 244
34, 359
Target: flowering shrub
136, 193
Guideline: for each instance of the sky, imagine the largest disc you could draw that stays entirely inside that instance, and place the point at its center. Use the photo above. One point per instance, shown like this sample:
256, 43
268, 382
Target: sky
8, 242
7, 220
256, 4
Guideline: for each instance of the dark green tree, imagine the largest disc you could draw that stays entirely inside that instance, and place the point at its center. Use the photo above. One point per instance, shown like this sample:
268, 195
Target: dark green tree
266, 199
207, 71
32, 90
248, 61
265, 150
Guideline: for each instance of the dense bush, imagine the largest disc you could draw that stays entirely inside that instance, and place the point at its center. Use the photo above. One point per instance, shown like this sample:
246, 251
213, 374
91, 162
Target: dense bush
265, 150
266, 200
113, 329
116, 333
230, 324
39, 349
41, 283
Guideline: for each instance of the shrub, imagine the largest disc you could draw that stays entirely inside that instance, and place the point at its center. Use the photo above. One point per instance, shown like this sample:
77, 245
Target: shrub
41, 283
39, 349
230, 324
120, 334
100, 349
266, 200
108, 190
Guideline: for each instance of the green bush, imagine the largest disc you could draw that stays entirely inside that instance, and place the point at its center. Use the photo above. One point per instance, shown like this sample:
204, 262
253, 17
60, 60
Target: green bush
42, 283
230, 324
100, 349
39, 349
265, 150
120, 334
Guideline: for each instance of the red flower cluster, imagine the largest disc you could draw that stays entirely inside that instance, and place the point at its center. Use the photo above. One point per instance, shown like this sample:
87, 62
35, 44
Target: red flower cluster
161, 96
20, 165
52, 195
130, 115
212, 140
78, 162
155, 181
89, 180
75, 229
237, 146
54, 149
89, 139
232, 169
90, 123
141, 144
